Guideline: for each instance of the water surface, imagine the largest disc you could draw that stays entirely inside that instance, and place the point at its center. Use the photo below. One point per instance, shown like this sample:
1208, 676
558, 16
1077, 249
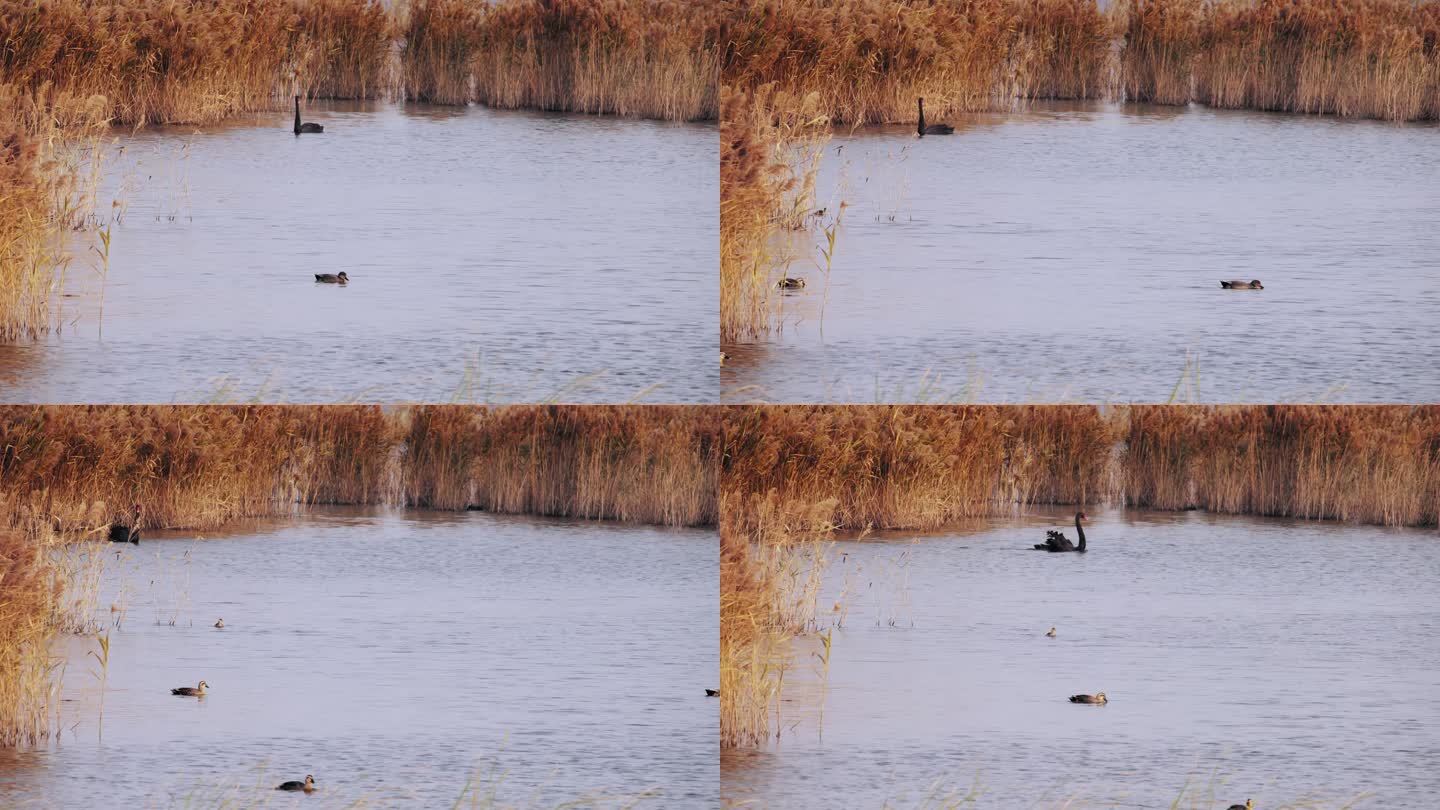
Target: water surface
395, 657
1073, 252
494, 256
1264, 658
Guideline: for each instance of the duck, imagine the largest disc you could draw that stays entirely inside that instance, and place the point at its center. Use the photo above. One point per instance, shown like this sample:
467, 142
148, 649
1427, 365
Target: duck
712, 693
1248, 805
723, 358
190, 691
332, 278
1097, 698
308, 785
1050, 633
1253, 284
219, 624
788, 283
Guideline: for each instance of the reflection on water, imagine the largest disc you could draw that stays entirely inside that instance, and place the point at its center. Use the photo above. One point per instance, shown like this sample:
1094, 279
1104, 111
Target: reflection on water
1277, 659
395, 657
493, 256
1074, 252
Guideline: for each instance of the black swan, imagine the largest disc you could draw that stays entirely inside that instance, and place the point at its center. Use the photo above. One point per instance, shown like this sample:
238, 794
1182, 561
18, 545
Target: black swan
933, 129
190, 691
1242, 285
788, 283
1057, 541
1248, 805
331, 278
120, 533
306, 127
308, 785
1096, 699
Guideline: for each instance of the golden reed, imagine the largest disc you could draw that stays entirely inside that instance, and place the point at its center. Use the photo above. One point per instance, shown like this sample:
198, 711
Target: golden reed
74, 469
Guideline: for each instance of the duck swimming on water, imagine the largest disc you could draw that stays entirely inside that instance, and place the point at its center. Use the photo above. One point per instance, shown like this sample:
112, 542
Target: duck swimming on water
308, 785
1096, 699
1235, 284
712, 693
332, 278
1051, 633
788, 283
1248, 805
219, 624
190, 691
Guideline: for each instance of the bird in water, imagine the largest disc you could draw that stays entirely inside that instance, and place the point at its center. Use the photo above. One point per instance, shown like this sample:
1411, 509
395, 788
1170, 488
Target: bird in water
788, 283
1248, 805
332, 278
934, 129
1096, 699
190, 691
723, 358
120, 533
712, 693
308, 785
1057, 541
1234, 284
219, 624
307, 126
1051, 633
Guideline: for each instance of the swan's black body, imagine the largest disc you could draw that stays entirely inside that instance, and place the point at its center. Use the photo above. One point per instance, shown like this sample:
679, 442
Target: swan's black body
299, 127
127, 534
1057, 541
933, 129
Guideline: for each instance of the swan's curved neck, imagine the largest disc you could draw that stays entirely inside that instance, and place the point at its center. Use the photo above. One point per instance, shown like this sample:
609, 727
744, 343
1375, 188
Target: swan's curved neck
297, 115
1080, 530
920, 128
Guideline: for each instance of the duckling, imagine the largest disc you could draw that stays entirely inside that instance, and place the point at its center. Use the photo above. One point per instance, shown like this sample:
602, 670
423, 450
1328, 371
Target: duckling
723, 358
1050, 633
190, 691
712, 693
1248, 805
1242, 285
332, 278
308, 785
788, 283
1097, 698
219, 624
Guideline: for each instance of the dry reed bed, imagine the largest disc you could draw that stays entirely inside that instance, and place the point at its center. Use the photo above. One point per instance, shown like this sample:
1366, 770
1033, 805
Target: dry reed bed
75, 469
28, 594
770, 148
870, 59
792, 475
926, 466
173, 61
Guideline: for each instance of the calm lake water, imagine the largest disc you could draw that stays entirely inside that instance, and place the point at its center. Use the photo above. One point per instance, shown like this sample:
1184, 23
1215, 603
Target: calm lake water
1264, 658
493, 255
1074, 252
394, 657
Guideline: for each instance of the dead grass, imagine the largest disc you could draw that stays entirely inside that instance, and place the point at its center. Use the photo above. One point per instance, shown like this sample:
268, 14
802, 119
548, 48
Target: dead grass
644, 58
770, 148
75, 469
27, 596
